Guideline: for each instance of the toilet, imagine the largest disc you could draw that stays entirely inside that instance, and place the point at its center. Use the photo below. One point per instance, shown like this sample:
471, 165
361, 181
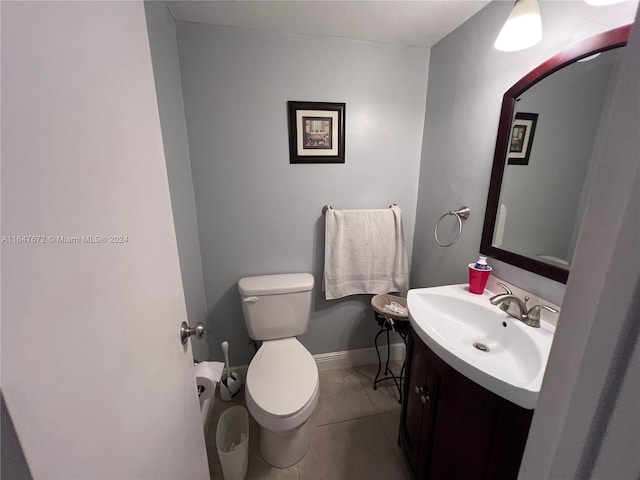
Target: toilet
282, 386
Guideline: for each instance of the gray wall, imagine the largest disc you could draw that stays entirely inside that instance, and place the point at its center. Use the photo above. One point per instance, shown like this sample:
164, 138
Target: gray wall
586, 424
257, 214
467, 78
166, 72
542, 198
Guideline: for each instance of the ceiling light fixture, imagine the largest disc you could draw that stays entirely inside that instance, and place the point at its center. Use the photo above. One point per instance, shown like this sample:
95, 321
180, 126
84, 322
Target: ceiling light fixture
523, 28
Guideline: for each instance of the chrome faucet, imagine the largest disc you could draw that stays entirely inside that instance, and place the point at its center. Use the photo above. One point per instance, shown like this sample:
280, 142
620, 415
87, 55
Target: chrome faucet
504, 306
529, 316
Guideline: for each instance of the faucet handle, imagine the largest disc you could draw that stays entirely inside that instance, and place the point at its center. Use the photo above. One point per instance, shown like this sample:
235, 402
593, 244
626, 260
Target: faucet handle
533, 314
537, 308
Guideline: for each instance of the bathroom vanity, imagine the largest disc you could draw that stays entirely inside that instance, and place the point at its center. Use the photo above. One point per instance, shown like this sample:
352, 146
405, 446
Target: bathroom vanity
472, 382
452, 428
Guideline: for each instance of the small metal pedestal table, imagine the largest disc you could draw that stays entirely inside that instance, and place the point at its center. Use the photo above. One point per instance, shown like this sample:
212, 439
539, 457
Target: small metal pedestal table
390, 321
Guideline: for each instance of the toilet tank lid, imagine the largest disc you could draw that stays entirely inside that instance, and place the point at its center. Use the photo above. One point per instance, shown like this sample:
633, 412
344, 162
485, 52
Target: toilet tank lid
276, 284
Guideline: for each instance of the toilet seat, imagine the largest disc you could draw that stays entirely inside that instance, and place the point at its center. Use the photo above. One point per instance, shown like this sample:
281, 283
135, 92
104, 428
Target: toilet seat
282, 384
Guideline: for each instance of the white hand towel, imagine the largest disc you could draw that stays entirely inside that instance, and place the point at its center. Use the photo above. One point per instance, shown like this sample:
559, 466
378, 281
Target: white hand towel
364, 252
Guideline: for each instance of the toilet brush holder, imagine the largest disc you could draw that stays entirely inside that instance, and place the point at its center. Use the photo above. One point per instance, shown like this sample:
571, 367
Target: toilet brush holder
230, 382
230, 385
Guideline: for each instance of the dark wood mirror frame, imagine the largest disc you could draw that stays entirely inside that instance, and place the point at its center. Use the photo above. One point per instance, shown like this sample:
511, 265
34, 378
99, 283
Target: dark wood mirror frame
599, 43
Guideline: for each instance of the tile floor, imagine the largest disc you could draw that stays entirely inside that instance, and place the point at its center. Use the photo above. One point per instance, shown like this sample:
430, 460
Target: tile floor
354, 432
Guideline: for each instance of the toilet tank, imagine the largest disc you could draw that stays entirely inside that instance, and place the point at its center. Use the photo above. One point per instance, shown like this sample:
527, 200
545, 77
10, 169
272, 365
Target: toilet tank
276, 306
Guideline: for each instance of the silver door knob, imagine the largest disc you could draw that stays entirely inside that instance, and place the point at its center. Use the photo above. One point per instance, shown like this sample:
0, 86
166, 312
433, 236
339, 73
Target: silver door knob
186, 331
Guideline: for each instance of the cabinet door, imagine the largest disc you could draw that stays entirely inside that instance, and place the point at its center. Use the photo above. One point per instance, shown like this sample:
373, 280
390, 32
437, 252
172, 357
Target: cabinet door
412, 413
462, 427
454, 429
509, 440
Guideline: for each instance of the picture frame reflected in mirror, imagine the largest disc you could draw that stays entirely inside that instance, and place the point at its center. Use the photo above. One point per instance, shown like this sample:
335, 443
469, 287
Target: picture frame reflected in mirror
522, 132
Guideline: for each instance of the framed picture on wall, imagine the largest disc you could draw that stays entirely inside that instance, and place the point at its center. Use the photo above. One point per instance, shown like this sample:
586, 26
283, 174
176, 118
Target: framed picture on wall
522, 131
316, 132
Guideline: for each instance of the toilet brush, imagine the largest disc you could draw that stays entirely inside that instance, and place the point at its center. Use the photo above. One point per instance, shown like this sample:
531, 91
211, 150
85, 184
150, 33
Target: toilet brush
230, 383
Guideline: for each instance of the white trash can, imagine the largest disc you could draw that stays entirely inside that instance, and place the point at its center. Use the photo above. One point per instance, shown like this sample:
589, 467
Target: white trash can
232, 442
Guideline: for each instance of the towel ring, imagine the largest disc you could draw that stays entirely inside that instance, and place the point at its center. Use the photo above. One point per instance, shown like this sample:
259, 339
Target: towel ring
461, 214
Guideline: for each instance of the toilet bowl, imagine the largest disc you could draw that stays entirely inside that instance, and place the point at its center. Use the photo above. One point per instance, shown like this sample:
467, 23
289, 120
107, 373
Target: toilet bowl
282, 386
282, 393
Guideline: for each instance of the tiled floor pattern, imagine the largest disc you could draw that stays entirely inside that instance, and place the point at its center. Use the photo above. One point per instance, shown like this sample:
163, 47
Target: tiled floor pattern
354, 432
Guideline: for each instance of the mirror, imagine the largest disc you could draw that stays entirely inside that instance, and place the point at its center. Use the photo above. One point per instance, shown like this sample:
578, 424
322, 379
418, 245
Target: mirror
544, 162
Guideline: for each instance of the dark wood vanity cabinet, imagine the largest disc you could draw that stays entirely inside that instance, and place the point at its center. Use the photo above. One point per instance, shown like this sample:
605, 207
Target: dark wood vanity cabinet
454, 429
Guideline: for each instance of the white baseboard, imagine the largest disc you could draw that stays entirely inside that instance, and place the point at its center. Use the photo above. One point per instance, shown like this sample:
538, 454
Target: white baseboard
358, 357
348, 358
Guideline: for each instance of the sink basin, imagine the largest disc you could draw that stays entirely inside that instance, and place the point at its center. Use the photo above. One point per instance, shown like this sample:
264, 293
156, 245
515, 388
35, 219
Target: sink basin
482, 342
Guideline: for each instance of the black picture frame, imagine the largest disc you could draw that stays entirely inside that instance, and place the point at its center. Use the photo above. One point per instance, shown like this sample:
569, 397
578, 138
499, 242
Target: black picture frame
316, 132
521, 140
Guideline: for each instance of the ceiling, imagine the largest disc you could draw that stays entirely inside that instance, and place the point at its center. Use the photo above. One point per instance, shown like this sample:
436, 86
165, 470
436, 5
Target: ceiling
415, 23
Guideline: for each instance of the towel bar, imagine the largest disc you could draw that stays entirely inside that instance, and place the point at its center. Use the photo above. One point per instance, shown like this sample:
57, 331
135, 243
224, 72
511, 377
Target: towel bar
329, 207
